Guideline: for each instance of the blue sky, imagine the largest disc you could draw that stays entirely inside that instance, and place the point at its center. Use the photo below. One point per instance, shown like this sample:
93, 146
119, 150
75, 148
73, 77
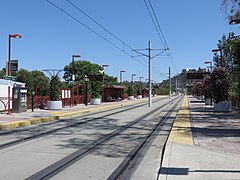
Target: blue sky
191, 29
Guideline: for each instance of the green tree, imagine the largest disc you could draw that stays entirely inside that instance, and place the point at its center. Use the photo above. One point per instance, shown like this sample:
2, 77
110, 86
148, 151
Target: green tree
25, 76
81, 68
231, 61
138, 86
207, 87
41, 81
96, 87
110, 80
198, 88
2, 73
85, 68
231, 7
162, 90
32, 80
130, 90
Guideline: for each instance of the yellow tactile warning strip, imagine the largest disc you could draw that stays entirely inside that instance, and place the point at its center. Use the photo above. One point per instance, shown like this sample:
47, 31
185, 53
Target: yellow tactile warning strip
181, 130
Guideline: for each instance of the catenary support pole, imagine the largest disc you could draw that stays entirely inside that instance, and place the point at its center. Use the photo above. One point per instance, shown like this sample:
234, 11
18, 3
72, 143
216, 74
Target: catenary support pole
170, 83
149, 75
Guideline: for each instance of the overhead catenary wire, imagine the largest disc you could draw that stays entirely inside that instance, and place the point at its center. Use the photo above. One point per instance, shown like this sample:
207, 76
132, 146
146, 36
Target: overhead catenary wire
124, 45
158, 28
164, 44
106, 30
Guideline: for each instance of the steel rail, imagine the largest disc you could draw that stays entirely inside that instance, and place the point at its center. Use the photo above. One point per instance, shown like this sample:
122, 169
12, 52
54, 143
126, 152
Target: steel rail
129, 160
41, 134
67, 161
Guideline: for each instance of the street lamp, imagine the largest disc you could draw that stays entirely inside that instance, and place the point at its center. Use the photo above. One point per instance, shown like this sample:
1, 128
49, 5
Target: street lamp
121, 75
221, 58
86, 79
103, 66
234, 20
73, 77
9, 50
132, 77
141, 79
209, 62
8, 65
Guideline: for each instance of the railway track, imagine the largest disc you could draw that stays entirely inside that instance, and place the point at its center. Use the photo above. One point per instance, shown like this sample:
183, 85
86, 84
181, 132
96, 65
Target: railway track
58, 150
72, 124
62, 164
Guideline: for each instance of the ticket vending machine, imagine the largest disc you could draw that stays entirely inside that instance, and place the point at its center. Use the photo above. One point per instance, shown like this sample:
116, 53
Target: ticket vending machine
19, 99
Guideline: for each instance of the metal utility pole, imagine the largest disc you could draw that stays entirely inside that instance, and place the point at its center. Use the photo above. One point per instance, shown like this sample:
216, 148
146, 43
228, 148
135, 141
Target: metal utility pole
170, 88
149, 76
176, 86
149, 68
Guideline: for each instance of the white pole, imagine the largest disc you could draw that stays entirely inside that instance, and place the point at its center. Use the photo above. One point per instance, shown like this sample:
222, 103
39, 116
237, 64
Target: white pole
149, 75
170, 88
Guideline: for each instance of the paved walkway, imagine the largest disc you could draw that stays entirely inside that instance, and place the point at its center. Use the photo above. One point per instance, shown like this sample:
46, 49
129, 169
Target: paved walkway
207, 147
40, 115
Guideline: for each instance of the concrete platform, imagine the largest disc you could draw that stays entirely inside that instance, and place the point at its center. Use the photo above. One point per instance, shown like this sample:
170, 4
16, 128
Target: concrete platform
202, 145
41, 115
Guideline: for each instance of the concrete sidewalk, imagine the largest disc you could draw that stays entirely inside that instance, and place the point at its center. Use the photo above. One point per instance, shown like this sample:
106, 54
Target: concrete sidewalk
40, 115
207, 147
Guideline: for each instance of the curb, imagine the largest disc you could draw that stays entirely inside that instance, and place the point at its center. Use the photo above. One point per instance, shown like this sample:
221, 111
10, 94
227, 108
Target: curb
38, 120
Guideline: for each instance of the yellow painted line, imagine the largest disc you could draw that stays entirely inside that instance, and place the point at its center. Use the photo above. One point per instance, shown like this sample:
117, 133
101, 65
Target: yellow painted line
181, 130
99, 108
59, 115
95, 109
27, 122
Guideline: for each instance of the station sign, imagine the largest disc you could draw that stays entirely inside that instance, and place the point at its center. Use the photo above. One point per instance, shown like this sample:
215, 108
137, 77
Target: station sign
196, 75
9, 77
14, 65
98, 77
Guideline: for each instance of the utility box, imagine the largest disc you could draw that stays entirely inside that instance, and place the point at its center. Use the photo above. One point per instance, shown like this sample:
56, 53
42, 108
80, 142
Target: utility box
19, 99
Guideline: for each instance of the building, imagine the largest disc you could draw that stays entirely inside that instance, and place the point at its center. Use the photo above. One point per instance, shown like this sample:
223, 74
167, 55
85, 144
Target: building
4, 92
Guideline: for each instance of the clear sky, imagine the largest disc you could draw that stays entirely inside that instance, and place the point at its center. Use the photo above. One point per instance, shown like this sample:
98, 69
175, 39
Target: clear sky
191, 28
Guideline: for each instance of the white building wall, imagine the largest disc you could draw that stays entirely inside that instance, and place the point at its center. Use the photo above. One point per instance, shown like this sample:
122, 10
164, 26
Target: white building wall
4, 92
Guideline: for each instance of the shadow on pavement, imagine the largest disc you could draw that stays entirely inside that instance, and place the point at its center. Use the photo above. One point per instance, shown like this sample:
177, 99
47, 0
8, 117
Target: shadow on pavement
185, 171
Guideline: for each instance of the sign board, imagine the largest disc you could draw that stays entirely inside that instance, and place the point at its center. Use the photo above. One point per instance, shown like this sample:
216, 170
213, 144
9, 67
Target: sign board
196, 75
14, 65
98, 77
9, 77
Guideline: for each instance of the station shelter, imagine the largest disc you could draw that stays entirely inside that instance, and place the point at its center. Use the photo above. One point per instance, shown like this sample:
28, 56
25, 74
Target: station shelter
113, 93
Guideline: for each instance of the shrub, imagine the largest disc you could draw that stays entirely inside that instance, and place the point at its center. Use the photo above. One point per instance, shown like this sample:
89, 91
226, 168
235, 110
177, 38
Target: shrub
54, 93
130, 90
207, 87
220, 84
96, 89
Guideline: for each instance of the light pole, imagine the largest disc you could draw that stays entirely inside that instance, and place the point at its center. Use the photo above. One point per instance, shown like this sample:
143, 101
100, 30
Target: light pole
234, 20
140, 90
170, 83
221, 56
103, 66
132, 77
8, 65
73, 78
86, 89
209, 62
121, 75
